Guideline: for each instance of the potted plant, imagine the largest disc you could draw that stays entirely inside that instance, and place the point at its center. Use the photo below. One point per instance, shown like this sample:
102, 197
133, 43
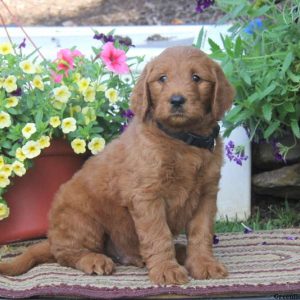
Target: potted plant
261, 58
71, 104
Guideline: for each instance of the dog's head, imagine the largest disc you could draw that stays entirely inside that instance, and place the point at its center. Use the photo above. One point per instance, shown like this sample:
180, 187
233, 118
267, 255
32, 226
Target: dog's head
180, 88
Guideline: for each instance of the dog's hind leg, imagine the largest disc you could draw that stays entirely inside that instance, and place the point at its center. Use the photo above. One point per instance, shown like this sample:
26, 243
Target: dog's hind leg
122, 244
85, 253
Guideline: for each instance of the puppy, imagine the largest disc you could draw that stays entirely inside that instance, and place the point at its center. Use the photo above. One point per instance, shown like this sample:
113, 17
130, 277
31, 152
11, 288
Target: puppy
158, 178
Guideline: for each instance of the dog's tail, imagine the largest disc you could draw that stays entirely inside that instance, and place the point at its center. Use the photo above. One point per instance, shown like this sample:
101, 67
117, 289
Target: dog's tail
34, 255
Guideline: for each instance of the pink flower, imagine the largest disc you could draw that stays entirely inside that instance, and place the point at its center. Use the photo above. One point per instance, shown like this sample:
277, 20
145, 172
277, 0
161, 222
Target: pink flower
57, 78
65, 59
114, 59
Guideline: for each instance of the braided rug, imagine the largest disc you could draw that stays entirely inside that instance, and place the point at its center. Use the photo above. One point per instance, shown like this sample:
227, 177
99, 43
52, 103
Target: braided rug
259, 263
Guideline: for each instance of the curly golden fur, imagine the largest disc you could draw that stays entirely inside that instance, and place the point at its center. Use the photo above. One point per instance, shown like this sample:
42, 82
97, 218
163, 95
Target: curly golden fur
128, 202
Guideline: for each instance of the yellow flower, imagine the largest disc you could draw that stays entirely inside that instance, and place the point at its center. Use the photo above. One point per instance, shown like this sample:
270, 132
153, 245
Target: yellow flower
62, 94
38, 82
4, 209
77, 77
20, 154
5, 120
96, 145
89, 94
31, 149
54, 121
44, 141
89, 114
11, 102
28, 130
99, 87
10, 83
83, 84
68, 125
6, 48
4, 181
112, 95
18, 168
1, 162
6, 169
78, 146
27, 66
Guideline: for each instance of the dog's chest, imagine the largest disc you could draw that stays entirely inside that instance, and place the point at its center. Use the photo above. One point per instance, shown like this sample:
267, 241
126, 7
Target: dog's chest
182, 188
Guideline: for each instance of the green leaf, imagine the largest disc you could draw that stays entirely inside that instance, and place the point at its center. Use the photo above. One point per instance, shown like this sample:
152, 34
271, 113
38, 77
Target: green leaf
200, 39
267, 91
295, 128
245, 76
287, 62
39, 116
267, 111
238, 48
214, 47
233, 113
271, 129
288, 106
260, 12
295, 78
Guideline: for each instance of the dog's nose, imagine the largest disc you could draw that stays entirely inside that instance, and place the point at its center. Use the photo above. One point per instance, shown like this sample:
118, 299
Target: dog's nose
177, 100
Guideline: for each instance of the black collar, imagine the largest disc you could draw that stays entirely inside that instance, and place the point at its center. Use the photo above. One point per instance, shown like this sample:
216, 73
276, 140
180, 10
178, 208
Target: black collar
200, 141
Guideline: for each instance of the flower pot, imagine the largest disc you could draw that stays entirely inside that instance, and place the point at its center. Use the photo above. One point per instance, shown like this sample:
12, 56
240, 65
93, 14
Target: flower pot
30, 196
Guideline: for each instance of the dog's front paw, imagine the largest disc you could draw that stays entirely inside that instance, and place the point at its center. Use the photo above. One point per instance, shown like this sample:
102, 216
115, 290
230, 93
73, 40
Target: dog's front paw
169, 272
205, 268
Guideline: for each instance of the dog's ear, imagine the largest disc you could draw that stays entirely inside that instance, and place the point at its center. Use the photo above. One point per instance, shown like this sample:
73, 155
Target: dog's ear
140, 98
223, 94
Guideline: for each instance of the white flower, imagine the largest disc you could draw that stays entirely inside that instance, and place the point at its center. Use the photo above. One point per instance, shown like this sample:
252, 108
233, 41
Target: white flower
68, 125
28, 130
112, 95
96, 145
6, 48
31, 149
27, 66
5, 120
18, 168
62, 94
10, 84
78, 145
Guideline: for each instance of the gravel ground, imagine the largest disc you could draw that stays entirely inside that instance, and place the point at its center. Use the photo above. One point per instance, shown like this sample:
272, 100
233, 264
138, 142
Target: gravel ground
105, 12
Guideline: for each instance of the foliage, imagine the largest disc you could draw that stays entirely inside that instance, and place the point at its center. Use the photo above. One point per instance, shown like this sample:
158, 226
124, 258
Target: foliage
261, 58
82, 99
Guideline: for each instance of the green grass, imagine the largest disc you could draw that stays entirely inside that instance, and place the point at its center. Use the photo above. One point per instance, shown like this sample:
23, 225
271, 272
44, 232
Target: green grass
266, 216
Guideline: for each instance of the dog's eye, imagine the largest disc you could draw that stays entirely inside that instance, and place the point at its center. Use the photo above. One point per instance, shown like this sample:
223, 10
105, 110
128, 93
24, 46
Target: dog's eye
163, 78
196, 78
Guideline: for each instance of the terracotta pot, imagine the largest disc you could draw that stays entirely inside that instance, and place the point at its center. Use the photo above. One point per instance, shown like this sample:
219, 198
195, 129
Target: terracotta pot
30, 196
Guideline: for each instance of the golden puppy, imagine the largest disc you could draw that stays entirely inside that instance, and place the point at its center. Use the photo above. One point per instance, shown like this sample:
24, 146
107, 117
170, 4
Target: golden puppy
158, 178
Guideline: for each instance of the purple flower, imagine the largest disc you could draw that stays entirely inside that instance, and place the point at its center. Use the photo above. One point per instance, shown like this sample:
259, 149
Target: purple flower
127, 114
254, 25
123, 127
23, 44
291, 238
17, 92
247, 229
276, 151
236, 154
108, 38
215, 240
98, 36
102, 37
203, 4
